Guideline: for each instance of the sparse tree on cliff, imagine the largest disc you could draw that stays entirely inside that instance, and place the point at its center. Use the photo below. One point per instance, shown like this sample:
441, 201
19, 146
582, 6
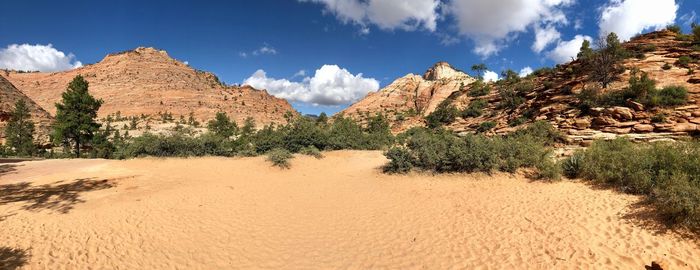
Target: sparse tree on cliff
75, 116
479, 69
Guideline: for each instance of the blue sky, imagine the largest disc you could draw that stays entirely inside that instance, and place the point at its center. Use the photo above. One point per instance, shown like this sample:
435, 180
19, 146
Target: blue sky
357, 45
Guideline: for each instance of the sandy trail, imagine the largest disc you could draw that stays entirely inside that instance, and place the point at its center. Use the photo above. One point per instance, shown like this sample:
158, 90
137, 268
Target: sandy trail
336, 213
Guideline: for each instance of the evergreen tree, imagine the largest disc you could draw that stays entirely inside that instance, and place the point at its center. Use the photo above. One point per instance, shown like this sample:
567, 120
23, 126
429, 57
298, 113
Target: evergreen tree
479, 69
222, 126
20, 130
75, 116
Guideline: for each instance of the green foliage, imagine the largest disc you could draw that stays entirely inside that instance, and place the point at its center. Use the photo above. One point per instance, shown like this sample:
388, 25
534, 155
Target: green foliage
400, 160
486, 126
666, 66
474, 109
672, 96
311, 151
641, 89
659, 118
669, 173
684, 61
674, 28
222, 125
603, 65
75, 116
517, 121
479, 88
102, 147
444, 114
696, 33
571, 167
479, 69
344, 133
279, 157
548, 169
510, 98
177, 145
19, 132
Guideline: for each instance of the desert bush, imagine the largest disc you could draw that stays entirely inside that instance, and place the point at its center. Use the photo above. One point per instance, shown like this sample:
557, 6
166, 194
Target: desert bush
672, 96
444, 114
510, 99
666, 66
474, 109
311, 151
486, 126
659, 118
696, 33
279, 157
400, 160
517, 121
548, 169
667, 172
684, 61
571, 166
479, 88
674, 28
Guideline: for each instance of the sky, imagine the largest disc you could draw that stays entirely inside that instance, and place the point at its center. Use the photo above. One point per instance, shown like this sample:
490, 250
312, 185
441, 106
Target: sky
322, 55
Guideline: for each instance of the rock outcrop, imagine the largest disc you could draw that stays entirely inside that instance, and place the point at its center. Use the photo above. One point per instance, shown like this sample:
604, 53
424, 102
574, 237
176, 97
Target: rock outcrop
9, 95
411, 97
148, 81
553, 97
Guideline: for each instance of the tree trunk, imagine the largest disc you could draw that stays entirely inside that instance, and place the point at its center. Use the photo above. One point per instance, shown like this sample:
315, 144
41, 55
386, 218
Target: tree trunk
77, 148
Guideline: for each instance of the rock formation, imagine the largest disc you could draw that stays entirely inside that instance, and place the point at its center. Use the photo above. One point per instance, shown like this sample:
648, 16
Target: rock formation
147, 81
9, 95
412, 97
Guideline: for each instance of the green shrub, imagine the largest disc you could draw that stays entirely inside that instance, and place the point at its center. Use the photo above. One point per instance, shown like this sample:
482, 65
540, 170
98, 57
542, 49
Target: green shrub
479, 88
696, 33
311, 151
510, 99
400, 160
684, 61
571, 167
666, 66
486, 126
672, 96
548, 169
674, 28
517, 121
279, 157
474, 109
659, 118
667, 172
444, 114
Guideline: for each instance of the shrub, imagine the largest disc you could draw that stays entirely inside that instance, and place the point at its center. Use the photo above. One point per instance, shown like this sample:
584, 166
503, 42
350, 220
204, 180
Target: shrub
548, 169
571, 167
666, 66
474, 109
510, 99
517, 121
479, 88
444, 114
684, 61
674, 28
486, 126
672, 96
279, 157
669, 173
400, 160
221, 125
659, 118
311, 151
696, 33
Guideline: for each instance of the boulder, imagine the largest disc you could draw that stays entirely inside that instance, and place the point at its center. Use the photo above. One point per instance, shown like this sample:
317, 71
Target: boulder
685, 127
604, 121
582, 123
635, 105
643, 128
620, 113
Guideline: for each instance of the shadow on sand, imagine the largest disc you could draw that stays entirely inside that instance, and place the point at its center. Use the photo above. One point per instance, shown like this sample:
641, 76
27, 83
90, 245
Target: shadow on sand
13, 258
59, 196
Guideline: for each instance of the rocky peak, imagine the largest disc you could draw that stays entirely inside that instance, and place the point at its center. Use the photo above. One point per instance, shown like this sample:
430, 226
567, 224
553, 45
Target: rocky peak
443, 71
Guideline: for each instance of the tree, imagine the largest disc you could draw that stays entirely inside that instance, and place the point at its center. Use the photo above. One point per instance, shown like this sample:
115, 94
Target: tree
75, 116
605, 65
696, 32
222, 125
586, 52
322, 119
20, 130
248, 127
479, 69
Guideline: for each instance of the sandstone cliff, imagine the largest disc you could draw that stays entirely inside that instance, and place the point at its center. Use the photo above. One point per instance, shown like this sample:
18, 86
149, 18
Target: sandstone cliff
411, 97
147, 81
9, 95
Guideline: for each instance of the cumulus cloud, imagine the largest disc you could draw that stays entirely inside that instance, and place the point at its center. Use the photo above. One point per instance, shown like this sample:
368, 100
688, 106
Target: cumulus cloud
544, 37
630, 17
38, 57
525, 71
265, 49
330, 86
490, 76
386, 14
491, 23
567, 50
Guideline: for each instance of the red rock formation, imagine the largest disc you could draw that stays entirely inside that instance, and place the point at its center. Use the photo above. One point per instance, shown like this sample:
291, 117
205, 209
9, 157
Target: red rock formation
9, 95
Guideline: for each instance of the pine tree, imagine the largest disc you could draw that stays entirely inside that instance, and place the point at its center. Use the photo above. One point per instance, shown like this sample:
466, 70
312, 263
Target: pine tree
222, 126
75, 116
20, 130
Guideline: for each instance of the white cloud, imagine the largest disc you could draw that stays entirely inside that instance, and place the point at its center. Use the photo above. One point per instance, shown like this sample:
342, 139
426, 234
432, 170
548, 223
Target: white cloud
525, 71
38, 57
265, 49
491, 23
490, 76
630, 17
689, 18
567, 50
243, 54
330, 86
408, 15
544, 37
300, 73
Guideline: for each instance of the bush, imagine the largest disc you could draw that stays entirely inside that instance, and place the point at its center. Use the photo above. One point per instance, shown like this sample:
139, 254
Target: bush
444, 114
659, 118
571, 167
669, 173
486, 126
279, 157
510, 99
548, 169
666, 66
311, 151
684, 61
672, 96
674, 28
479, 88
475, 108
400, 160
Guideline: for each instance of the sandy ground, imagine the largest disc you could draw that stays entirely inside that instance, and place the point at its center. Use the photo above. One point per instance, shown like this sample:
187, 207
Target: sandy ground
336, 213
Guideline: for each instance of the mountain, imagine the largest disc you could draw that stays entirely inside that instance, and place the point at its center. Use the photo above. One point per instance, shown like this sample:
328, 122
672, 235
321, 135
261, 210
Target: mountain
552, 95
412, 96
9, 95
148, 81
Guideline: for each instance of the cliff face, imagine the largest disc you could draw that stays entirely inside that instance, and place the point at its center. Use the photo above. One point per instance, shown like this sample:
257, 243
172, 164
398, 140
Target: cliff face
9, 95
412, 96
148, 81
554, 98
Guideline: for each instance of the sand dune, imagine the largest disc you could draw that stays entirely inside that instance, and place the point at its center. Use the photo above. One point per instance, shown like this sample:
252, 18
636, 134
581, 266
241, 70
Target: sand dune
336, 213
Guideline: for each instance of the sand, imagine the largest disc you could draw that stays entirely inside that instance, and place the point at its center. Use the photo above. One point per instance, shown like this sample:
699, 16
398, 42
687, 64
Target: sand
339, 212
